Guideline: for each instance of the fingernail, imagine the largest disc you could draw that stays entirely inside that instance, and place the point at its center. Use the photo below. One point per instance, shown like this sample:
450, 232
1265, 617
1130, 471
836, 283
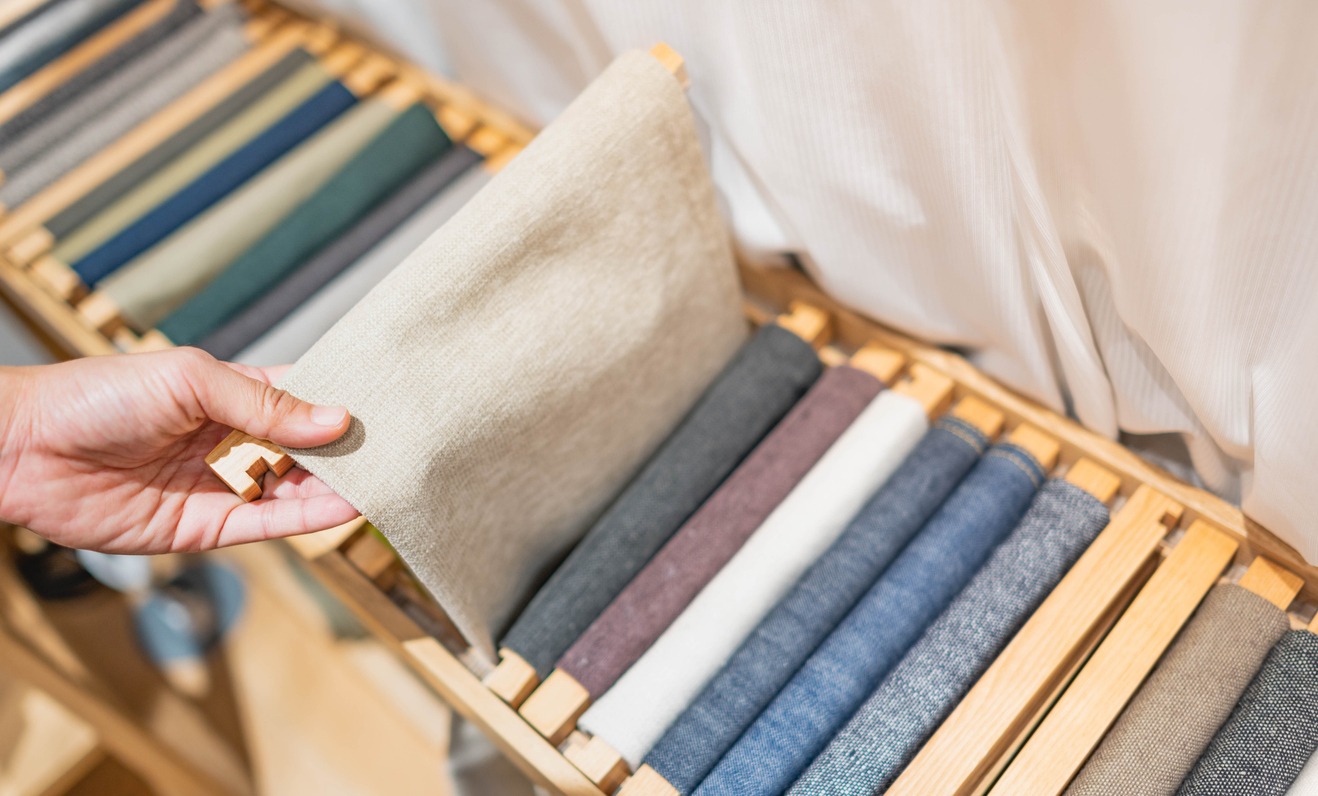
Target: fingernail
331, 416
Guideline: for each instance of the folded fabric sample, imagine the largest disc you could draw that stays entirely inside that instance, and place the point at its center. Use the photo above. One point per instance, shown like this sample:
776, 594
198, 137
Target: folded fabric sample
1166, 727
284, 299
636, 711
799, 623
409, 144
46, 35
176, 175
852, 661
749, 397
133, 174
696, 553
121, 102
61, 95
512, 375
295, 333
1272, 731
161, 279
887, 731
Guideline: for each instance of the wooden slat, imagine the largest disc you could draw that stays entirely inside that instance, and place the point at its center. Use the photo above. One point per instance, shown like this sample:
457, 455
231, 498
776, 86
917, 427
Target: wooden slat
1272, 582
513, 679
1077, 723
554, 707
647, 782
54, 317
598, 761
932, 389
1094, 479
806, 322
980, 415
999, 707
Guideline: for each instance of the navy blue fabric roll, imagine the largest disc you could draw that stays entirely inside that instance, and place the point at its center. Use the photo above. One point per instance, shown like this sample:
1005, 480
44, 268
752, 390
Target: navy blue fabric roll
918, 585
111, 62
216, 183
49, 34
274, 305
788, 636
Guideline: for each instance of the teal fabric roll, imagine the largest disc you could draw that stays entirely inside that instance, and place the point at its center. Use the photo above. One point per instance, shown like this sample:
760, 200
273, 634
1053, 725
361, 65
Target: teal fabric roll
406, 146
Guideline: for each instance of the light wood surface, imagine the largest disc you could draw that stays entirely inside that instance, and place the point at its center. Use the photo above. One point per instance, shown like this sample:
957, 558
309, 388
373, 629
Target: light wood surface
1094, 479
882, 363
1273, 583
554, 707
647, 782
1077, 723
41, 743
1043, 447
513, 679
806, 322
980, 415
241, 460
932, 389
598, 761
1000, 706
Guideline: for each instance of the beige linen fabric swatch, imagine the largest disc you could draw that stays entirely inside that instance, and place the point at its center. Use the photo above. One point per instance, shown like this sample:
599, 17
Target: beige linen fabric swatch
512, 374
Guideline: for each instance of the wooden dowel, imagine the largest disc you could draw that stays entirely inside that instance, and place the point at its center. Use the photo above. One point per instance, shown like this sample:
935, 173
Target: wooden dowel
932, 389
1000, 706
513, 679
980, 414
1044, 448
882, 363
1077, 723
1094, 479
554, 707
598, 761
1271, 582
807, 322
240, 461
647, 782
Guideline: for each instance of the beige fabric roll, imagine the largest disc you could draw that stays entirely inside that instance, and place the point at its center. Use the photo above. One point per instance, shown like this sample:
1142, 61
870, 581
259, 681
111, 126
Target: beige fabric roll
512, 374
175, 176
161, 279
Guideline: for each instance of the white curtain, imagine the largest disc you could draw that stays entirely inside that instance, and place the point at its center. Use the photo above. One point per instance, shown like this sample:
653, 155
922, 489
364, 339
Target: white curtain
1113, 205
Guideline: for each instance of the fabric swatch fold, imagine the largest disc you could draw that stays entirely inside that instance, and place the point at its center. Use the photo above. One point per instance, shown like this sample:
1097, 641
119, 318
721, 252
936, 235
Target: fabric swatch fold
517, 369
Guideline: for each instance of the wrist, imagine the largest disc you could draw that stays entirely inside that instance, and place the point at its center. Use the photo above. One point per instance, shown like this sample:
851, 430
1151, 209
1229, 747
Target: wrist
14, 388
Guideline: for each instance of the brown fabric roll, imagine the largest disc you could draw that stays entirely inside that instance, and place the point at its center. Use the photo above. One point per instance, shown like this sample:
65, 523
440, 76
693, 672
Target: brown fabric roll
1179, 709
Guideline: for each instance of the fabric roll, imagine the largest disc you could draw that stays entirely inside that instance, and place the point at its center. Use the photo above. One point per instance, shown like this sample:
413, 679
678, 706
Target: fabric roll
717, 531
135, 93
24, 18
403, 149
1187, 699
133, 174
64, 93
896, 720
1306, 784
799, 623
44, 36
565, 321
759, 386
284, 299
216, 183
162, 278
1271, 733
919, 584
176, 175
297, 331
645, 701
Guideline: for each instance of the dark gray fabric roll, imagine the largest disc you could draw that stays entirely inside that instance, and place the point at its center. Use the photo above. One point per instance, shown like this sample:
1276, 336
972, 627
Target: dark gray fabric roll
121, 102
1175, 714
768, 375
110, 63
96, 200
1273, 730
274, 305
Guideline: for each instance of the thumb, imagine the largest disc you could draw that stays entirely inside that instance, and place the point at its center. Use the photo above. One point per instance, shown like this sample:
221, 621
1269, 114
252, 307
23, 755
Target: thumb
251, 405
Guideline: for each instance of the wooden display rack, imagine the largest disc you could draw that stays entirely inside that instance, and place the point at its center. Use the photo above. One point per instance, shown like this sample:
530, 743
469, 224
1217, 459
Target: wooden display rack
1125, 598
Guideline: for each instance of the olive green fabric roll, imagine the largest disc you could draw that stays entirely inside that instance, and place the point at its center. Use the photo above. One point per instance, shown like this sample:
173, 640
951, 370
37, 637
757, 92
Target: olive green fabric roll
406, 146
160, 280
196, 161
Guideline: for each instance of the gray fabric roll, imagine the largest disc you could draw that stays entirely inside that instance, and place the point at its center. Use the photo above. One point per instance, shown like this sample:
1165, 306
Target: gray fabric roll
129, 177
1175, 714
110, 63
1273, 730
56, 28
120, 103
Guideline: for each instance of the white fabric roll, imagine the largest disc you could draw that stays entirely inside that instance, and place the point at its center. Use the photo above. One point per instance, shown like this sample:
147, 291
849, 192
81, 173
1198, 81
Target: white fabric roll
633, 714
1306, 784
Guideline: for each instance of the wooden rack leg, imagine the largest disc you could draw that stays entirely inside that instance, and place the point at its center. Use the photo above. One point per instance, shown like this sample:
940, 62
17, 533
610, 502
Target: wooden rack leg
554, 707
240, 461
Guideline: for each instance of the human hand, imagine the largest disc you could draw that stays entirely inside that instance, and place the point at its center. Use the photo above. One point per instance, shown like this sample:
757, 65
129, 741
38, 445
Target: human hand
108, 453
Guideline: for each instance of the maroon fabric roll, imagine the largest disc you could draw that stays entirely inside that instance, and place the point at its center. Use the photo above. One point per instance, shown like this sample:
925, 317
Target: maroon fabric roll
712, 535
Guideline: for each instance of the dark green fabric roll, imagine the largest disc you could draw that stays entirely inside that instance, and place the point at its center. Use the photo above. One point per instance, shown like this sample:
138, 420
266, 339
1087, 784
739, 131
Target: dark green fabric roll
405, 147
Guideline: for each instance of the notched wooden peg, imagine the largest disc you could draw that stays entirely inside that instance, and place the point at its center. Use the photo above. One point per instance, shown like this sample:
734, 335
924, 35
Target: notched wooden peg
554, 707
241, 460
513, 679
673, 62
101, 313
1094, 479
808, 322
980, 414
57, 278
647, 782
1271, 582
932, 389
598, 761
882, 363
31, 246
1041, 446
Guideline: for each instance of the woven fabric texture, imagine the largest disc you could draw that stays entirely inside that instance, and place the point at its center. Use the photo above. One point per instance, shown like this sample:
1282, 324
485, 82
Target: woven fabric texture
160, 280
761, 384
295, 333
645, 701
511, 376
284, 299
804, 618
120, 103
695, 554
853, 660
882, 737
1272, 731
1171, 720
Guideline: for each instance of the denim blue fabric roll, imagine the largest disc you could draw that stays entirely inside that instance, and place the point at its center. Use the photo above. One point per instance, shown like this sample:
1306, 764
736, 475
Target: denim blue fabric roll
215, 184
766, 378
47, 35
919, 584
770, 656
887, 731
